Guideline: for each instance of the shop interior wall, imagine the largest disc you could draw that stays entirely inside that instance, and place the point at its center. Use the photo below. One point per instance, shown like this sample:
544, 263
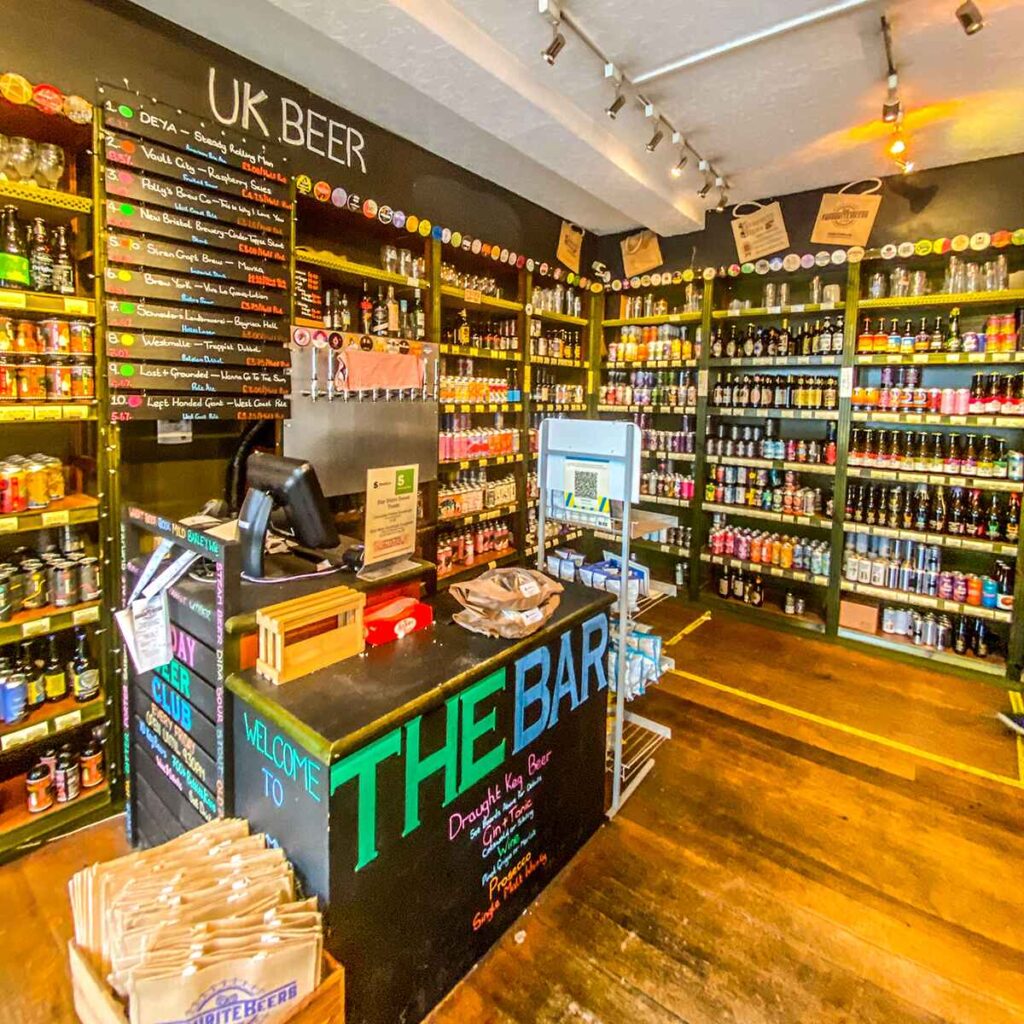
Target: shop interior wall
985, 195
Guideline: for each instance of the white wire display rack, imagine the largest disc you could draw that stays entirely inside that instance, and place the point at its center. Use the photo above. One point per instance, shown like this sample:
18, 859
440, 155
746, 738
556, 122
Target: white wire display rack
608, 456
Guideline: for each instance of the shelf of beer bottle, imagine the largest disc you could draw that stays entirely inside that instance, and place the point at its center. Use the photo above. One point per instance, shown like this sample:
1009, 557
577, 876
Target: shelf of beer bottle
763, 311
74, 509
937, 419
784, 414
570, 364
818, 360
650, 364
558, 406
47, 412
747, 511
488, 560
926, 601
481, 407
820, 468
45, 302
811, 621
481, 462
985, 483
19, 826
659, 409
484, 516
654, 321
991, 665
43, 621
798, 575
944, 540
480, 353
652, 453
55, 199
48, 720
996, 298
937, 358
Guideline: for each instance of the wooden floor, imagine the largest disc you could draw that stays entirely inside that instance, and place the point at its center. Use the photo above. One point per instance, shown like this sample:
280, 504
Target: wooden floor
829, 837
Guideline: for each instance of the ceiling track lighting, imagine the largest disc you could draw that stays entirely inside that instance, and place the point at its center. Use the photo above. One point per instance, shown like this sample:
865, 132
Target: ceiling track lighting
677, 171
555, 47
891, 107
723, 201
613, 108
898, 144
970, 18
655, 140
704, 189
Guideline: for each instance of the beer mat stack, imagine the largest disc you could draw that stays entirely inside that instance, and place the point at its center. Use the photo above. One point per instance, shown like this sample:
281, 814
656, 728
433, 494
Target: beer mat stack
199, 924
511, 603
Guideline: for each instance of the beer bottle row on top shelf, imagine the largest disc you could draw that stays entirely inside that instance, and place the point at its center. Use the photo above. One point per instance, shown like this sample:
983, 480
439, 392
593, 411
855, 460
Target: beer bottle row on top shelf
972, 455
776, 391
764, 441
957, 511
1000, 333
817, 339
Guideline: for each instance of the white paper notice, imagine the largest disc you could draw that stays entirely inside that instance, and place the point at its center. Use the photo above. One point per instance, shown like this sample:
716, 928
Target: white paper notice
146, 627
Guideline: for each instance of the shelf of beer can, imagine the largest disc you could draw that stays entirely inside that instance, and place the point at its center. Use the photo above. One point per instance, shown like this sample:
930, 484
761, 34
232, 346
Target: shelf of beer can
1007, 295
925, 601
760, 311
484, 516
47, 412
784, 414
42, 621
818, 360
758, 513
554, 542
480, 353
986, 483
936, 358
810, 621
652, 453
981, 420
571, 364
990, 666
558, 318
482, 407
75, 508
945, 540
654, 321
799, 575
488, 460
681, 410
650, 364
19, 826
663, 499
468, 297
558, 406
44, 302
50, 720
803, 467
29, 192
331, 261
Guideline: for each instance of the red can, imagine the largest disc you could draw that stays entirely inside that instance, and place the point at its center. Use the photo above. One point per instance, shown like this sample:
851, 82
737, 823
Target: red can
934, 399
8, 379
26, 340
13, 490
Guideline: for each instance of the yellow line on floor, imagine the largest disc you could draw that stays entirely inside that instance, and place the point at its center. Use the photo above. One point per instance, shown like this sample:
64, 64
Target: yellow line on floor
688, 629
850, 730
1017, 706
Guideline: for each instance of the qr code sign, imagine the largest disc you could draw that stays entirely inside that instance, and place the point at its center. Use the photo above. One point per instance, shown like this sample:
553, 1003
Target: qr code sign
585, 484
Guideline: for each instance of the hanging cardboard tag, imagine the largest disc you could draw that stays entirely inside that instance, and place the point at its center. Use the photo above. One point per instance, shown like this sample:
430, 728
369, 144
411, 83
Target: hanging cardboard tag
640, 253
846, 218
146, 627
759, 233
570, 244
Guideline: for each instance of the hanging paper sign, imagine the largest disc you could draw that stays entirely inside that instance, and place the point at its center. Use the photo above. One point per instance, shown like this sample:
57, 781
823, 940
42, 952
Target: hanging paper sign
759, 233
846, 218
390, 513
569, 245
640, 253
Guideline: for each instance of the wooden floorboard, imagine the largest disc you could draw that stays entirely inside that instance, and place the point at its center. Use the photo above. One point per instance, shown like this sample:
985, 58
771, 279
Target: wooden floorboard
780, 865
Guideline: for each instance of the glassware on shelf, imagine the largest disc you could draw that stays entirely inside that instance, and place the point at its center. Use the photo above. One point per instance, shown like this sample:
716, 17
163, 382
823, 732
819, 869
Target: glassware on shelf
50, 165
22, 158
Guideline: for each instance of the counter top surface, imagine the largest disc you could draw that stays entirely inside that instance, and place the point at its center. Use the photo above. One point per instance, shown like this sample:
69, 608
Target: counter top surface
344, 705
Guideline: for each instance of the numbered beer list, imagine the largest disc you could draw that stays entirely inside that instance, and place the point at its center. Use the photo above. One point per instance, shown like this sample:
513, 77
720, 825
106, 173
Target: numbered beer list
196, 288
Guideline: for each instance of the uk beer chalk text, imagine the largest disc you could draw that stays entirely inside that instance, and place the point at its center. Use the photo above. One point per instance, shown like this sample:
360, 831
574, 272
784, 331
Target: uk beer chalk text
542, 694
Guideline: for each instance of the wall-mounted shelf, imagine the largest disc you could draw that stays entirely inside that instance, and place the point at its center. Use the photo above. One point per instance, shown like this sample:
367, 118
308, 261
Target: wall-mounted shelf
654, 321
559, 318
46, 303
55, 199
476, 300
350, 268
75, 508
758, 312
925, 601
1007, 296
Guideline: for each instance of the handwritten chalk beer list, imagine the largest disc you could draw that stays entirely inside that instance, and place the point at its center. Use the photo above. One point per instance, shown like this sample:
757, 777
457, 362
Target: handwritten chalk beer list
216, 215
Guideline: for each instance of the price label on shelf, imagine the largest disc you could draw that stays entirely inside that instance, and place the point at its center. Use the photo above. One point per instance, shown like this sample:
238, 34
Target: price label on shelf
797, 308
413, 282
846, 382
472, 295
13, 300
27, 735
773, 309
84, 615
37, 627
702, 383
49, 412
68, 721
9, 524
60, 518
77, 307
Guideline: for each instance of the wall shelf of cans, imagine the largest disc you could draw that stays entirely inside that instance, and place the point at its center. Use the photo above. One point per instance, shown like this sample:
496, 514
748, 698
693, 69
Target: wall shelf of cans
807, 419
58, 735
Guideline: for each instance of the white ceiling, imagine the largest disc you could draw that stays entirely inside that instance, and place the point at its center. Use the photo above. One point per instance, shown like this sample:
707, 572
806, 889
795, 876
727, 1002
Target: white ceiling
464, 79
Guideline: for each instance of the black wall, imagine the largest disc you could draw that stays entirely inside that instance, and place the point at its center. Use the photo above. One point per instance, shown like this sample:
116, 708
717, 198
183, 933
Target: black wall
986, 195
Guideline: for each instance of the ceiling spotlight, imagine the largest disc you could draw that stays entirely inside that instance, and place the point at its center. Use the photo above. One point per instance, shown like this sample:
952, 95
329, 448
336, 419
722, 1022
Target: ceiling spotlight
905, 166
898, 145
970, 17
677, 171
615, 106
704, 189
655, 140
891, 107
723, 200
555, 47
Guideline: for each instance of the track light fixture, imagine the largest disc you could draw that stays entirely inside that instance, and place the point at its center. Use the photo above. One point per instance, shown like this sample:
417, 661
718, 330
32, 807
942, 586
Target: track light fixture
891, 107
704, 189
970, 18
655, 140
898, 144
613, 108
555, 47
723, 200
905, 166
677, 171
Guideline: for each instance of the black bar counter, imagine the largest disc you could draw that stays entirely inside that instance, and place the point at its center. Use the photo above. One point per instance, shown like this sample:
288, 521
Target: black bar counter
428, 789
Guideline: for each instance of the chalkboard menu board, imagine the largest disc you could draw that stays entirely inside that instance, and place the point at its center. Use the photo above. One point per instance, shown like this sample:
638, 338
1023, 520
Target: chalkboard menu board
198, 234
173, 717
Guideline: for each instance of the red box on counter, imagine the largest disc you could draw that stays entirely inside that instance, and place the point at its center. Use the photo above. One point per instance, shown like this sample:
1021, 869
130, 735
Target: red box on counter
396, 619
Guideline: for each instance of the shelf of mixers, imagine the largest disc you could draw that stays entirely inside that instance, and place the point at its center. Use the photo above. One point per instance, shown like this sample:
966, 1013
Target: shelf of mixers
653, 346
471, 498
473, 547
